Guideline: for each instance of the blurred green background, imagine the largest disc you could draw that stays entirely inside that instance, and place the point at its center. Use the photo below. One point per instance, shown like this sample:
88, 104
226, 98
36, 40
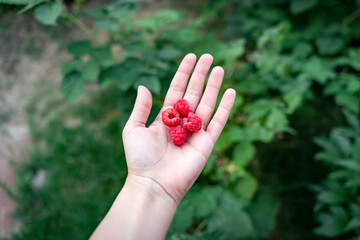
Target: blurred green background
287, 165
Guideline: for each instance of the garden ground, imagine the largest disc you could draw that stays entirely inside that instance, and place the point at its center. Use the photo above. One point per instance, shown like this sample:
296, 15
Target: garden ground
21, 72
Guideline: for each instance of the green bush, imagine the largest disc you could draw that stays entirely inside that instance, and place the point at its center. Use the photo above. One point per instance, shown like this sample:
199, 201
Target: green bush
338, 203
281, 57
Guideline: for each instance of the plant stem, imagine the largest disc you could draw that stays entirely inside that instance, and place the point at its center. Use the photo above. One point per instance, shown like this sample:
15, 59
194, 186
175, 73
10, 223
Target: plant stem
201, 226
72, 18
10, 193
354, 15
82, 26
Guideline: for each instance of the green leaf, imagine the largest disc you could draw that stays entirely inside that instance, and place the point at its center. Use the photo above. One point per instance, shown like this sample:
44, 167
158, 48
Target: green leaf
266, 62
273, 37
350, 164
183, 217
107, 24
354, 58
329, 45
246, 187
239, 101
80, 48
332, 224
199, 202
204, 201
254, 132
352, 120
71, 66
353, 84
90, 71
302, 50
96, 12
236, 134
103, 55
297, 86
325, 143
118, 74
251, 84
14, 2
167, 16
277, 120
263, 214
230, 220
257, 111
125, 74
209, 164
352, 182
151, 82
339, 174
48, 13
232, 223
293, 101
122, 7
300, 6
229, 52
72, 86
349, 101
355, 208
342, 141
353, 224
333, 87
319, 70
332, 197
223, 143
159, 19
243, 152
169, 53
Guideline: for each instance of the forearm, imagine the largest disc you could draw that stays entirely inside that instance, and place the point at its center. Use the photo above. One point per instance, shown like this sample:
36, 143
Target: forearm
142, 210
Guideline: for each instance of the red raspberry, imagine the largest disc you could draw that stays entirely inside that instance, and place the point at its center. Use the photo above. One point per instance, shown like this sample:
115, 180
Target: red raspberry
182, 107
178, 135
171, 117
192, 122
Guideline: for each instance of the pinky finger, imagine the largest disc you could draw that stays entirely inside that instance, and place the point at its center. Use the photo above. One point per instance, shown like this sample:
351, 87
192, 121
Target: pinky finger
221, 116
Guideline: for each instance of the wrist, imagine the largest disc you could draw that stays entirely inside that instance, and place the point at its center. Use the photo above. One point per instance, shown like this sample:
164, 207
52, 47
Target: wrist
142, 210
149, 189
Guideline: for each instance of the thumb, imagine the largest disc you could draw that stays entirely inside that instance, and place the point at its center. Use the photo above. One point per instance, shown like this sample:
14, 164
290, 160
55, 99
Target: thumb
142, 108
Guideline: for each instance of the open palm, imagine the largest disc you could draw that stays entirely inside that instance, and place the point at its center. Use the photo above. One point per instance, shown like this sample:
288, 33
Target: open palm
150, 152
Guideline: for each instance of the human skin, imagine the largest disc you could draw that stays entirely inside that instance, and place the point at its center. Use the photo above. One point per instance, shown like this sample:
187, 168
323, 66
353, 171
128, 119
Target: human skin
160, 173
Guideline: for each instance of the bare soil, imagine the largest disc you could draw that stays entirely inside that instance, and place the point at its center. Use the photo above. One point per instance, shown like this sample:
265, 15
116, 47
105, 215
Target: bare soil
20, 72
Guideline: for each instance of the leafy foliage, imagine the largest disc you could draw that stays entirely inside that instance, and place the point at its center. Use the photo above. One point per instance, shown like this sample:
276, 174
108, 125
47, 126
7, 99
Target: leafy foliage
62, 206
337, 205
280, 56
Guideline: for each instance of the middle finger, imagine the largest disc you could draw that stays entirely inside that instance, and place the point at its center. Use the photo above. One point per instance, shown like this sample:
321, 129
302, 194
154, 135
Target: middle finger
197, 80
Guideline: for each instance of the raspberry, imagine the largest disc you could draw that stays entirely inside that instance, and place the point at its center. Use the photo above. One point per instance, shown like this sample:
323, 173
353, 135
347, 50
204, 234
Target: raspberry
171, 117
192, 122
178, 135
182, 107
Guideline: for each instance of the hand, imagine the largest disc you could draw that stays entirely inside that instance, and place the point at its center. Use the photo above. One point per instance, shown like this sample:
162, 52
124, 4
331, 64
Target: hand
159, 170
150, 153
